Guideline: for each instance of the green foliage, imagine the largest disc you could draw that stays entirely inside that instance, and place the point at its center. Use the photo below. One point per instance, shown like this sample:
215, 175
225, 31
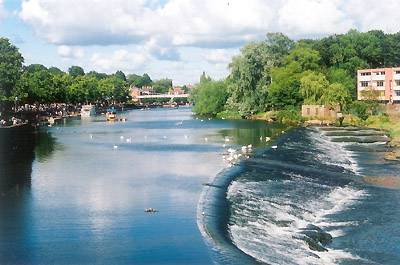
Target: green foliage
306, 58
55, 71
289, 115
336, 94
249, 78
139, 81
228, 114
312, 87
97, 75
209, 97
120, 75
338, 75
364, 109
10, 68
162, 86
285, 87
76, 71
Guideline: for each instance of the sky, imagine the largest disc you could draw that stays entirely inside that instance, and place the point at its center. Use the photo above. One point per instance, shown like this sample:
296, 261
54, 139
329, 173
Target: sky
178, 39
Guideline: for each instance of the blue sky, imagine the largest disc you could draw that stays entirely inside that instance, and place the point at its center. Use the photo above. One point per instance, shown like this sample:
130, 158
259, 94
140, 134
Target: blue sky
173, 38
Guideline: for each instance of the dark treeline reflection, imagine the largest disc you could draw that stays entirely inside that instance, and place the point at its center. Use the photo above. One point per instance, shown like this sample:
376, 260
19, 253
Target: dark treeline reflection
18, 149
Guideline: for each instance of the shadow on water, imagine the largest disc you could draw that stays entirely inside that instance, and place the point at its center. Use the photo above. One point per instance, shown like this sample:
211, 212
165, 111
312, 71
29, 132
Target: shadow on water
18, 149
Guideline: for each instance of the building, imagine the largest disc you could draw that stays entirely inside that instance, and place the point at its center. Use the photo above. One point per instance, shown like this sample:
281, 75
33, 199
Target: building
319, 111
177, 91
382, 84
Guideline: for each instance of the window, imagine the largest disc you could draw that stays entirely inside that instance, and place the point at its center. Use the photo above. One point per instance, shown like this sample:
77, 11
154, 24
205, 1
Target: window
364, 83
397, 82
397, 93
381, 93
316, 111
397, 72
364, 74
380, 73
379, 83
308, 111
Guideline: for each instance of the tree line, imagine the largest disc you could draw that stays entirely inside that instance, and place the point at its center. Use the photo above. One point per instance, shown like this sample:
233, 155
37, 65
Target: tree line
281, 74
36, 83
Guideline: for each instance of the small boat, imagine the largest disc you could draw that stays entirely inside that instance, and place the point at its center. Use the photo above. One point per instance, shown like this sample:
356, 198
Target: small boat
111, 114
88, 110
150, 210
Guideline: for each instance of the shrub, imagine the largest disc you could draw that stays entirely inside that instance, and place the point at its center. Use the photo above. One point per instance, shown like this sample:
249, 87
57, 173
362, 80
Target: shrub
289, 115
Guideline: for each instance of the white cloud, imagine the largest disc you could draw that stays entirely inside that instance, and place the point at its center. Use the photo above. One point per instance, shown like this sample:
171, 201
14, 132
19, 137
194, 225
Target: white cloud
177, 23
150, 33
311, 17
371, 14
68, 52
3, 12
119, 60
219, 56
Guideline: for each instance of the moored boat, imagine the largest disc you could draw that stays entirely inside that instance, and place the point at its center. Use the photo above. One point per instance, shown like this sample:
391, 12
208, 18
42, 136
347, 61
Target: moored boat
111, 114
88, 110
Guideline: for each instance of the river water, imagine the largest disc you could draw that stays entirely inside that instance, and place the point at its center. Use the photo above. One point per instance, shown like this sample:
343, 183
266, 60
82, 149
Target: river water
75, 193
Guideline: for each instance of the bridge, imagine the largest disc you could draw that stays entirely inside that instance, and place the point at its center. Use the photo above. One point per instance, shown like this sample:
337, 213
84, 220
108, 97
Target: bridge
170, 96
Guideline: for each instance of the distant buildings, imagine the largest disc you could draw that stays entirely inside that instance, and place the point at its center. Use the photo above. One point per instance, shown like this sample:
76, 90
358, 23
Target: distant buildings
136, 92
381, 84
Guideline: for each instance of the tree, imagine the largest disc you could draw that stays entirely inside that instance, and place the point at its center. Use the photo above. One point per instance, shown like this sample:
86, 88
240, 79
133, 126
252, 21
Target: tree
248, 80
209, 97
55, 71
279, 46
204, 77
139, 81
32, 68
97, 75
338, 75
336, 95
36, 85
285, 87
120, 75
306, 58
312, 87
76, 71
162, 86
10, 69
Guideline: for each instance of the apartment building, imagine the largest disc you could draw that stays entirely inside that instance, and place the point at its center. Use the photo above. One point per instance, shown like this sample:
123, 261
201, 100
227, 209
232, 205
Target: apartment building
385, 82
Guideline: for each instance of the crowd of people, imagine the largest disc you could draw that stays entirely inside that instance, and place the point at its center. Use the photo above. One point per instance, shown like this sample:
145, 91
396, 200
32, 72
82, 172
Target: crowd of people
37, 112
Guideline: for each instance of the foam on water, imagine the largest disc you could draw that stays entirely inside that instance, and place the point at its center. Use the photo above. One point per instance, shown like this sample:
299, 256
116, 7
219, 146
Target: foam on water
268, 216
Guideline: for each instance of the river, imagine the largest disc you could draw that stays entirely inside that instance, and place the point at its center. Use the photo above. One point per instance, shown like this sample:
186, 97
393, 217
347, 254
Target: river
75, 193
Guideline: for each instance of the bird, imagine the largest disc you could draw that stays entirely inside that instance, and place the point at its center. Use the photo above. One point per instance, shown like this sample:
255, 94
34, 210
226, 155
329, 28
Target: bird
274, 147
206, 139
115, 146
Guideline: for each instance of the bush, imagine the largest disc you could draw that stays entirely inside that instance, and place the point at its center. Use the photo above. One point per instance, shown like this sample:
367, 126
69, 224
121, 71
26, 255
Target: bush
209, 98
289, 115
361, 109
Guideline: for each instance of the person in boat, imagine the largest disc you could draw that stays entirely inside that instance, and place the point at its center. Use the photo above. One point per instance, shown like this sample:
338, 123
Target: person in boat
111, 114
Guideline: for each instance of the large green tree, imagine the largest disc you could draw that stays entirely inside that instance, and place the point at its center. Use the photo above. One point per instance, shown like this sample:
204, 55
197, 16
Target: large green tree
162, 85
76, 71
209, 97
312, 87
11, 62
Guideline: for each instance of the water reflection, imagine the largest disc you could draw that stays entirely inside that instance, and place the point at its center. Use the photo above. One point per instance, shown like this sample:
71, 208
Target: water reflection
18, 149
